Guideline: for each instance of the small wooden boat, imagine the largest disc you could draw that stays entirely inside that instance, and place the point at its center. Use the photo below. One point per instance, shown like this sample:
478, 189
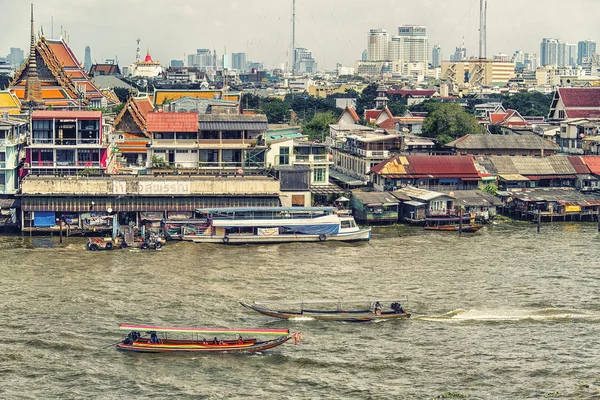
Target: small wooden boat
154, 339
453, 228
330, 310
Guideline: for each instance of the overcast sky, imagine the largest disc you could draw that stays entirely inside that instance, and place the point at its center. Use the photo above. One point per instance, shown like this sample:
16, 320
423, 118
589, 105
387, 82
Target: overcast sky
335, 30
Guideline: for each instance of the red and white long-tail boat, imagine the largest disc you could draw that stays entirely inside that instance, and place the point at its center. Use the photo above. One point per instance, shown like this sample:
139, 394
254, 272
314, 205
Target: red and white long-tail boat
155, 339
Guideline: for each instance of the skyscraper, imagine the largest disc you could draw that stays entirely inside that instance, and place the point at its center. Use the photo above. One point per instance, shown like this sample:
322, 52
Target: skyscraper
416, 43
571, 54
238, 61
549, 52
87, 60
364, 56
585, 49
15, 57
304, 61
377, 47
436, 56
202, 59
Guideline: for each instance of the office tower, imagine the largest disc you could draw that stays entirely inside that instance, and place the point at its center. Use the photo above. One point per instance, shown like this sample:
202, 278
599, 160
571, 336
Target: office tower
202, 59
238, 61
364, 56
377, 47
549, 52
15, 57
436, 56
571, 54
176, 63
460, 54
304, 61
87, 60
585, 49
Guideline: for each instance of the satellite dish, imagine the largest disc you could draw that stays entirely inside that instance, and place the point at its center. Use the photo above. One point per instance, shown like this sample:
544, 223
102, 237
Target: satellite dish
109, 210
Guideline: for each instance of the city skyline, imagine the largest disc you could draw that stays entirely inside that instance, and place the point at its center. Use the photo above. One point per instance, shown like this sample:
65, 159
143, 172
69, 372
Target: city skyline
244, 27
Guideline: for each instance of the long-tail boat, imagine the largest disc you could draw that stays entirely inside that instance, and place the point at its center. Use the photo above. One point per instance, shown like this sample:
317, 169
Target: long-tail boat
327, 310
154, 339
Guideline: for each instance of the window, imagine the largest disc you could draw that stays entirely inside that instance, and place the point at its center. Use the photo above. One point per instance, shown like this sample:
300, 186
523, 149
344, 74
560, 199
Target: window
561, 114
42, 132
187, 135
164, 135
209, 157
284, 156
319, 175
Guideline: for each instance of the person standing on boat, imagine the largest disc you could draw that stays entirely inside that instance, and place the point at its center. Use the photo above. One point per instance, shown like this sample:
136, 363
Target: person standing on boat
378, 308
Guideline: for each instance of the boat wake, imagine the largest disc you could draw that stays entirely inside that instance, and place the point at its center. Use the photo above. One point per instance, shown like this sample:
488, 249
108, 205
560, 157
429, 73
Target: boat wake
545, 314
302, 319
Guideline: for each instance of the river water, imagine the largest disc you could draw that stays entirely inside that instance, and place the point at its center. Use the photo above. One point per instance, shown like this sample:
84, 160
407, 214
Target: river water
502, 313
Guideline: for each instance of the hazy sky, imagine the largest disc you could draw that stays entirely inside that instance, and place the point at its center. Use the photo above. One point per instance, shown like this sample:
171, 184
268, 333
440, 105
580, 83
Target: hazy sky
335, 30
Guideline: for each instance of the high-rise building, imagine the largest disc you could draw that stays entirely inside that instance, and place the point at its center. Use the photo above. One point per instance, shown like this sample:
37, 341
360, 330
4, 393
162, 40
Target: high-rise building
15, 57
238, 61
377, 47
460, 54
571, 54
436, 56
412, 30
549, 52
364, 55
202, 59
416, 43
87, 60
176, 63
304, 61
585, 49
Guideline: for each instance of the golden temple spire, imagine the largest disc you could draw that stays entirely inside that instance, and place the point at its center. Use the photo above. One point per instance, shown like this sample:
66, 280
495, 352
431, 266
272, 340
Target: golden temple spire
33, 87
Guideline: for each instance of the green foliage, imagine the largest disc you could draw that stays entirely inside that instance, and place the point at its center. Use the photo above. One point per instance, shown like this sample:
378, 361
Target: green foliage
122, 93
367, 98
449, 121
529, 103
251, 101
118, 108
89, 172
4, 81
102, 109
491, 188
276, 110
306, 106
159, 162
318, 126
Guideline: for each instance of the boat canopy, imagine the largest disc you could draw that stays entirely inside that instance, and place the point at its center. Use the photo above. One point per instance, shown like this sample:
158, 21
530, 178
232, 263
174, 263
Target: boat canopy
151, 328
263, 209
341, 301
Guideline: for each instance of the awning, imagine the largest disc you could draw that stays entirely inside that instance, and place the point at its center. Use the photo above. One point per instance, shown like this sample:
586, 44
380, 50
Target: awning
10, 203
414, 203
326, 189
345, 179
471, 179
513, 177
542, 177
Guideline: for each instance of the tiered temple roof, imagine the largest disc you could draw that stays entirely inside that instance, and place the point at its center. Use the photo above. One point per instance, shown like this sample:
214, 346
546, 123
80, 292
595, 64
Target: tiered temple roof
61, 77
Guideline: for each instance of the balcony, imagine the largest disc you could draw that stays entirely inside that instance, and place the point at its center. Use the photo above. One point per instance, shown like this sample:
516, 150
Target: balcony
312, 158
373, 153
52, 164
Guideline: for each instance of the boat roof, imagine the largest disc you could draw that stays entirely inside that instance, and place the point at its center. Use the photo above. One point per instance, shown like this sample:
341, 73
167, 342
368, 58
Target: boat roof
343, 301
153, 328
263, 209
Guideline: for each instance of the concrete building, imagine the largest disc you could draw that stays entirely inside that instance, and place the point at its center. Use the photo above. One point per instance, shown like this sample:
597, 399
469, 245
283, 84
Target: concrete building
13, 135
176, 63
202, 59
585, 48
549, 52
305, 64
87, 59
463, 73
238, 61
436, 56
15, 57
377, 47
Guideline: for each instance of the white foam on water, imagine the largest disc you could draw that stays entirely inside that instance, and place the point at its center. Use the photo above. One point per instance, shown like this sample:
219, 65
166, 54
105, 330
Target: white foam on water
545, 314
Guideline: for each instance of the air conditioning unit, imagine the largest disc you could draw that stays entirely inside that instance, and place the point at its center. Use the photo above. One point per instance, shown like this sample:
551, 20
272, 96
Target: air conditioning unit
26, 165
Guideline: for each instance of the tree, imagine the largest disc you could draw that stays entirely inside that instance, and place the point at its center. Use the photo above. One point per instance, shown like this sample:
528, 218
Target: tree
251, 101
367, 98
448, 121
122, 93
4, 81
318, 126
276, 110
529, 103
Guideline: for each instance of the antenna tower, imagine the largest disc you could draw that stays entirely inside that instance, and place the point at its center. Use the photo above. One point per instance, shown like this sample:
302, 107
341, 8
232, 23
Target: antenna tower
293, 37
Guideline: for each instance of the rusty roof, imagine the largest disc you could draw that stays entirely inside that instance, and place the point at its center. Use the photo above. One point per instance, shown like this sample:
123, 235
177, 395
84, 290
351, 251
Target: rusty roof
172, 122
428, 166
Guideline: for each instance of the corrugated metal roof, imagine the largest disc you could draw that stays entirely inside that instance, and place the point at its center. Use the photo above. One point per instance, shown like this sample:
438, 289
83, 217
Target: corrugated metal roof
513, 141
558, 195
172, 122
578, 165
475, 198
232, 126
593, 163
375, 197
421, 194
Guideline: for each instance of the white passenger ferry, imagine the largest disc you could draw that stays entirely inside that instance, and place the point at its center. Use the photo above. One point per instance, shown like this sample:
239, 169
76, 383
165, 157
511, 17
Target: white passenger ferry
277, 225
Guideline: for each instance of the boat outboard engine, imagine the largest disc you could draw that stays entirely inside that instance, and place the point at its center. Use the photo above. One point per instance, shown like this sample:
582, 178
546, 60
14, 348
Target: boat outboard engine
397, 307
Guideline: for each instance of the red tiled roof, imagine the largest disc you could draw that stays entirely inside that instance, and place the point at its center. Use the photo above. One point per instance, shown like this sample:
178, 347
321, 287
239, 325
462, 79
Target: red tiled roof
353, 113
172, 122
371, 114
389, 123
593, 163
45, 114
144, 105
583, 113
580, 97
413, 93
496, 118
578, 165
105, 69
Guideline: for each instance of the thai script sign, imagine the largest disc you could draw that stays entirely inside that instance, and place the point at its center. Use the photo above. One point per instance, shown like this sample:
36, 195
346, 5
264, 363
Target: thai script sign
164, 187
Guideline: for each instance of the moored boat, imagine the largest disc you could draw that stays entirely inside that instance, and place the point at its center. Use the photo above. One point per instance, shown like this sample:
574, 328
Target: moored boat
277, 225
453, 228
154, 339
323, 310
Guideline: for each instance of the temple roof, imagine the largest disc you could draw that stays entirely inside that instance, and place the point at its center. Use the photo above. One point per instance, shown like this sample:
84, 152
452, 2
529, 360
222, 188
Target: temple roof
60, 74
